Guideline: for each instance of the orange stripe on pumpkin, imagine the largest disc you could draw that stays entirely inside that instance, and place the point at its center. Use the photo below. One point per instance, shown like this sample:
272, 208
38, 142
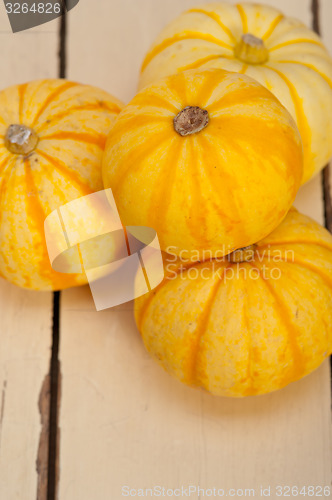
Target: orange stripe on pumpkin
159, 205
200, 62
305, 264
3, 166
216, 18
252, 357
179, 90
243, 17
187, 35
211, 152
243, 69
298, 367
255, 127
294, 42
67, 173
310, 66
134, 124
135, 158
21, 92
36, 217
302, 121
81, 258
196, 222
52, 96
68, 112
207, 88
98, 140
148, 302
326, 280
202, 328
3, 189
154, 101
149, 298
237, 95
311, 267
273, 26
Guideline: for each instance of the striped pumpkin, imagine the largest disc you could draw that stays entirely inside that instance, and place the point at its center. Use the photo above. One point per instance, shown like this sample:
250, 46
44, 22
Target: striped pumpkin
249, 324
211, 160
279, 52
52, 137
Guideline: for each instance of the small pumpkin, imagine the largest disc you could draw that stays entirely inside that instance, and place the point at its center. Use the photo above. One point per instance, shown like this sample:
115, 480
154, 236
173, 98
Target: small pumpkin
279, 52
211, 160
248, 324
52, 137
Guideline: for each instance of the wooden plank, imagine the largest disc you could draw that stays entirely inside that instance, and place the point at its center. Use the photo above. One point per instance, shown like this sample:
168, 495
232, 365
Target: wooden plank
131, 424
325, 10
25, 317
123, 31
123, 420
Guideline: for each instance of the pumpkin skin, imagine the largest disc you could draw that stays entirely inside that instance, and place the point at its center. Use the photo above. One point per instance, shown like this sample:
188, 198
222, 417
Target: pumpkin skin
71, 122
245, 335
226, 186
298, 69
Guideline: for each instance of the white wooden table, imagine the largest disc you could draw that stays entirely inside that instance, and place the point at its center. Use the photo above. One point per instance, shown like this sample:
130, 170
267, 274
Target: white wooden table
120, 420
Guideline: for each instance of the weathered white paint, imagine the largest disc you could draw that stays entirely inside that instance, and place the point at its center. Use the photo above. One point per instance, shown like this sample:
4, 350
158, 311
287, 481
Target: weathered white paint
25, 317
123, 420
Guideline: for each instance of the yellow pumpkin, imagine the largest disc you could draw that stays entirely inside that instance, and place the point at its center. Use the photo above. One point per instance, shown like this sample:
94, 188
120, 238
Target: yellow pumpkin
248, 324
279, 52
211, 160
52, 137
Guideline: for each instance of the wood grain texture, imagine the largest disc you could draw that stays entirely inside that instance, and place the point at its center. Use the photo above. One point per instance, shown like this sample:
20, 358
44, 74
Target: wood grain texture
25, 317
131, 424
325, 9
25, 327
123, 420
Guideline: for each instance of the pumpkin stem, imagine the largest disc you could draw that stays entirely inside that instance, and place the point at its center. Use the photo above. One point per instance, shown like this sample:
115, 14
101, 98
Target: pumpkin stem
244, 254
251, 50
20, 139
191, 120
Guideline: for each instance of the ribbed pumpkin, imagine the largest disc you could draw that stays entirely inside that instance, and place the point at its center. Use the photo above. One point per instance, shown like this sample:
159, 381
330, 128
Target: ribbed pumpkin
208, 159
248, 325
279, 52
52, 137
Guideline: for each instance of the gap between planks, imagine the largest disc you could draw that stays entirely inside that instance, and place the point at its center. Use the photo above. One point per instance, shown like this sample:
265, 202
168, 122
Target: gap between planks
47, 462
54, 403
49, 403
55, 369
326, 174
